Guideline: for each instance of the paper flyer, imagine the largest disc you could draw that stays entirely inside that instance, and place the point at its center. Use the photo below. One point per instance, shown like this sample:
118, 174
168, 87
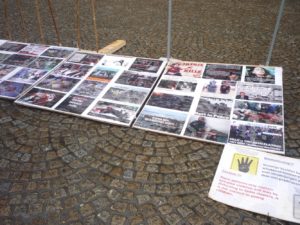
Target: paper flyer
260, 182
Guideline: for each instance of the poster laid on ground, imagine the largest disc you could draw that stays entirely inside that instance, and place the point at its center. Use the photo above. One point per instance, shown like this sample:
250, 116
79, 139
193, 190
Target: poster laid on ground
267, 183
193, 100
23, 65
257, 118
96, 86
129, 81
218, 103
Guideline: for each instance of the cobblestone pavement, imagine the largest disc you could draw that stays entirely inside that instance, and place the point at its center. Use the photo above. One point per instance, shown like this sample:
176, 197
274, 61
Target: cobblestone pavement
58, 169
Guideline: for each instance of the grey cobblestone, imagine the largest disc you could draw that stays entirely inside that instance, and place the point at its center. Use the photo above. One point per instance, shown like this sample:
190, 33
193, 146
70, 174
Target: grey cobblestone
59, 169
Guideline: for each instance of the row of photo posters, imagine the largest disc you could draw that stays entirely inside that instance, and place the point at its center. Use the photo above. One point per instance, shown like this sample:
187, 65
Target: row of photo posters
24, 64
218, 103
107, 88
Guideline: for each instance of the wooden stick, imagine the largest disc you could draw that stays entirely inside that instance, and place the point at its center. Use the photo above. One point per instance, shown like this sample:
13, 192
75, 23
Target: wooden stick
78, 22
95, 24
8, 33
54, 22
24, 30
38, 15
113, 47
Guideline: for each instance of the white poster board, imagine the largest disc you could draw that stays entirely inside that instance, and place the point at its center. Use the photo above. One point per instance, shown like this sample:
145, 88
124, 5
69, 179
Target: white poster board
260, 182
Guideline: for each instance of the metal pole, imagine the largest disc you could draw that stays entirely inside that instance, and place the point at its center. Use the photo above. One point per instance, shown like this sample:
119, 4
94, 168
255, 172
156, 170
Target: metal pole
275, 32
54, 22
169, 44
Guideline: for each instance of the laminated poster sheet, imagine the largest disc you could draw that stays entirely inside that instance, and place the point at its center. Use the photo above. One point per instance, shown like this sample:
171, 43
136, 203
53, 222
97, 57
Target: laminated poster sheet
218, 103
260, 182
23, 65
108, 88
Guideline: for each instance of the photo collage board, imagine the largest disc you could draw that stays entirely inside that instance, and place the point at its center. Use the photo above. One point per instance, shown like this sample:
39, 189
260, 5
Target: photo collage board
24, 64
220, 103
108, 88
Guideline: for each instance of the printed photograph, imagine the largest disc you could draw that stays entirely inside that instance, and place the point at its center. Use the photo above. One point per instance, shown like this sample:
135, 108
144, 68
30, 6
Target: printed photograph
71, 70
85, 58
260, 74
136, 79
41, 97
219, 89
161, 120
259, 92
223, 72
258, 112
12, 46
34, 49
12, 89
184, 86
177, 102
214, 107
6, 69
75, 104
112, 111
125, 94
27, 75
184, 69
117, 61
103, 74
211, 129
44, 63
146, 65
58, 52
19, 60
90, 88
267, 137
58, 83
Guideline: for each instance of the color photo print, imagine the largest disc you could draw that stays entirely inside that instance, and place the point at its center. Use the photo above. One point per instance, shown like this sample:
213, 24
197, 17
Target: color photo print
72, 70
85, 58
258, 112
183, 68
40, 98
263, 136
58, 83
206, 128
126, 94
74, 104
264, 74
34, 49
11, 90
146, 65
19, 60
259, 92
182, 85
137, 79
113, 112
5, 70
223, 72
214, 107
117, 61
58, 52
10, 46
45, 63
161, 120
27, 75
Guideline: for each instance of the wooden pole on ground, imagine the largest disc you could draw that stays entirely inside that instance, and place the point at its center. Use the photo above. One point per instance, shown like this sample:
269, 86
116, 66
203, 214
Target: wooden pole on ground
24, 30
38, 15
95, 24
8, 32
54, 21
77, 19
